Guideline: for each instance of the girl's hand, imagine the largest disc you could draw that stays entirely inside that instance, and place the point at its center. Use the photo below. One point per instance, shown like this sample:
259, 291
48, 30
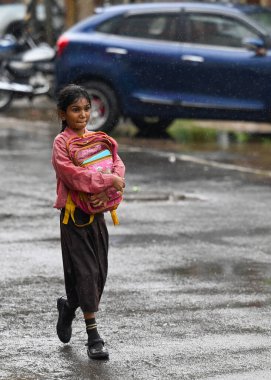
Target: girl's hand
118, 183
120, 192
99, 199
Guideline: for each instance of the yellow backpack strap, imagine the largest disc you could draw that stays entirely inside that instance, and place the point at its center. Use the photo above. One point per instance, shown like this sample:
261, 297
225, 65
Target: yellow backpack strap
69, 212
114, 217
69, 209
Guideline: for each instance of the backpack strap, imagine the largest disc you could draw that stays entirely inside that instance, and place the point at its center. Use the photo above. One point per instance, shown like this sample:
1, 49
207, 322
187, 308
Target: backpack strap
69, 212
114, 217
70, 209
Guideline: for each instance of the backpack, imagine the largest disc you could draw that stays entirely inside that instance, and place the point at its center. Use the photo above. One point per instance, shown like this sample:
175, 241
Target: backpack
95, 151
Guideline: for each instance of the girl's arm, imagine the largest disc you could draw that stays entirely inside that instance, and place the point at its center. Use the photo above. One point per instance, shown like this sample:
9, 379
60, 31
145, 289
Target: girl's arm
119, 167
75, 177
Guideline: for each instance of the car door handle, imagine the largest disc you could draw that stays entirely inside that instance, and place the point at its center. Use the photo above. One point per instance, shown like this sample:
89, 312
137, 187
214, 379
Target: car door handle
192, 58
113, 50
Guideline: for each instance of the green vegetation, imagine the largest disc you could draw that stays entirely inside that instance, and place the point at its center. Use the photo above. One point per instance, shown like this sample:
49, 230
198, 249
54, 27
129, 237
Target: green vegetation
194, 132
187, 131
241, 137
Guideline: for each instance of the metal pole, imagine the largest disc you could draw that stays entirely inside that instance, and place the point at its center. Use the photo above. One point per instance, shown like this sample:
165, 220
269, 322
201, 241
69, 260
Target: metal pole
31, 15
49, 32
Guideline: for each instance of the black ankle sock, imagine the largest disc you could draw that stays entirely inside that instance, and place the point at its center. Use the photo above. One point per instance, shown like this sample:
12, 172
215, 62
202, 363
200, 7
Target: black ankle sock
91, 327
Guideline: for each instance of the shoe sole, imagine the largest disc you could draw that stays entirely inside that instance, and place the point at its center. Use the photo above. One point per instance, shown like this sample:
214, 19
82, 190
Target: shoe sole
57, 328
102, 356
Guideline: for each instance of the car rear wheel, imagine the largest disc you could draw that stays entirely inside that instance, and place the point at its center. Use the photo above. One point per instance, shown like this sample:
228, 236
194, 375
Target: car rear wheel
105, 112
151, 126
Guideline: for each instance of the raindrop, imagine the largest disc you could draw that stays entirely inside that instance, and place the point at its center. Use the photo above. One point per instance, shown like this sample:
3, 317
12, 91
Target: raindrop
136, 189
172, 158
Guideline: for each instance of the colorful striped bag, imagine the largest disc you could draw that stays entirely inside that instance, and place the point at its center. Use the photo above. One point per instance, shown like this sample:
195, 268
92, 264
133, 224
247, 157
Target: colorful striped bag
95, 151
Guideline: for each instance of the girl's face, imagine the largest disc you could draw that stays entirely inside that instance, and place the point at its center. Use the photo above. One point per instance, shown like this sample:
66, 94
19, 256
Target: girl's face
77, 115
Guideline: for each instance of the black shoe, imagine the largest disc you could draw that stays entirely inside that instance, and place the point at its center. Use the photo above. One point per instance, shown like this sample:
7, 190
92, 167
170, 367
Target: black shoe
96, 349
65, 318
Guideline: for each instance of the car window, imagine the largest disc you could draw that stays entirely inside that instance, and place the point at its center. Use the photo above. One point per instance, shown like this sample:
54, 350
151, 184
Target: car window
209, 29
263, 18
159, 26
109, 26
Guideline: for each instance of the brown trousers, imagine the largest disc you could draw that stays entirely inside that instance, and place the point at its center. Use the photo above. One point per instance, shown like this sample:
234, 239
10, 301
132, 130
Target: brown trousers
85, 260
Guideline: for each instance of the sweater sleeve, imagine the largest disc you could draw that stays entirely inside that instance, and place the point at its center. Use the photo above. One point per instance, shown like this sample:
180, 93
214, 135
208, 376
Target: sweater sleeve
118, 167
76, 177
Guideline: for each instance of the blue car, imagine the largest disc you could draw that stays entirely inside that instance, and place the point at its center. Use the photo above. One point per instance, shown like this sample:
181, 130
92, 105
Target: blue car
157, 62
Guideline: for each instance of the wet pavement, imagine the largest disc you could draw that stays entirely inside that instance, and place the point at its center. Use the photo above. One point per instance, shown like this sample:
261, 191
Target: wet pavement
188, 294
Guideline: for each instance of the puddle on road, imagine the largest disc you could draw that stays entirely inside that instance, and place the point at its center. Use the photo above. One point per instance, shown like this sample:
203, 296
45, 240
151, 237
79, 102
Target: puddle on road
229, 270
251, 155
158, 197
232, 284
254, 155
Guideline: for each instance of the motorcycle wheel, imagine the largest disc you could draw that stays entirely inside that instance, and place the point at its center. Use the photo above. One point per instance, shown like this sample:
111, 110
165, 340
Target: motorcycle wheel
104, 107
5, 99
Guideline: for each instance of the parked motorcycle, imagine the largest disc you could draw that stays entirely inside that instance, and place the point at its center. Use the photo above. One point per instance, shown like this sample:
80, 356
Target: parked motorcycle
26, 69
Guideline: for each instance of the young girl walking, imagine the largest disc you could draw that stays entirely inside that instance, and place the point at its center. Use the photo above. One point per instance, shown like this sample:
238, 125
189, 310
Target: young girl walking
84, 239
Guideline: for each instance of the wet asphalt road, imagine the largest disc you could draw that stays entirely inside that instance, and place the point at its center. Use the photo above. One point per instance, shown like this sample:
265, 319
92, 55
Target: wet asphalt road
189, 288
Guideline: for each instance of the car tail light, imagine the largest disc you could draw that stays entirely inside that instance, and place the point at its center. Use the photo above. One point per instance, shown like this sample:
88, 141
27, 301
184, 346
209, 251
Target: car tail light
62, 43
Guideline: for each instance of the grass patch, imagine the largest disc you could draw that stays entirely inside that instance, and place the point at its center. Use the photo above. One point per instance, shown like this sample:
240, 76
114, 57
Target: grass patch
187, 131
243, 137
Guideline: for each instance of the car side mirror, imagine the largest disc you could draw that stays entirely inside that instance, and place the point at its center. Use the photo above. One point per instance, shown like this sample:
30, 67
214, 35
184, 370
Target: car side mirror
255, 44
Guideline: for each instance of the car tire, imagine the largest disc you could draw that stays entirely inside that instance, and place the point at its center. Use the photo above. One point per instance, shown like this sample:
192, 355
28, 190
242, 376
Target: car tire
151, 126
105, 112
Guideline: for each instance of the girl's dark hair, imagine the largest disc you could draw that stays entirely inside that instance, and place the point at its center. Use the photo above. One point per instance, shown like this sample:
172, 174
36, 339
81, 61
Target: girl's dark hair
68, 95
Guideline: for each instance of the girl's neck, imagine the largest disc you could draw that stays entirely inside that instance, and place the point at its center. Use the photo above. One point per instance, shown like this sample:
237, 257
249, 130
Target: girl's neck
79, 133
